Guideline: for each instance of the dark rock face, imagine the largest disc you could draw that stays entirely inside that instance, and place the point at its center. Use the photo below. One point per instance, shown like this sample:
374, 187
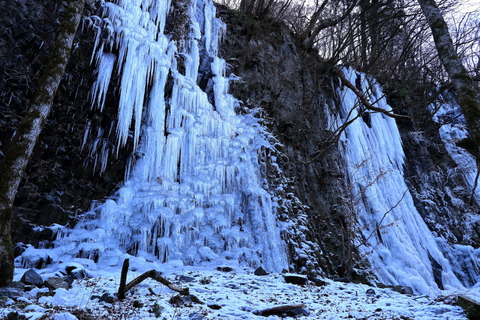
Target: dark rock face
440, 192
439, 189
61, 178
290, 85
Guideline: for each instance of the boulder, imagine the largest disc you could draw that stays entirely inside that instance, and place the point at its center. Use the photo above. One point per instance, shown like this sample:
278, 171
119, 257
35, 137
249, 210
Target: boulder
403, 289
370, 292
56, 283
225, 269
183, 278
298, 312
181, 301
76, 272
32, 277
260, 272
214, 306
295, 279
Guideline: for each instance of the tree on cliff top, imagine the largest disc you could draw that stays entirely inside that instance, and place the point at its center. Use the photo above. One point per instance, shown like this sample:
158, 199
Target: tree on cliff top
467, 90
20, 149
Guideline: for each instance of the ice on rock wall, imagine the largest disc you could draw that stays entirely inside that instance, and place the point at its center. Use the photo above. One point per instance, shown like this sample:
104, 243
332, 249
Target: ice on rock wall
396, 240
452, 130
194, 192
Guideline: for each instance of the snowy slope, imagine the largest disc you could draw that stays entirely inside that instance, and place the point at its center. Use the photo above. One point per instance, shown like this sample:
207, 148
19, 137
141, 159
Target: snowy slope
235, 295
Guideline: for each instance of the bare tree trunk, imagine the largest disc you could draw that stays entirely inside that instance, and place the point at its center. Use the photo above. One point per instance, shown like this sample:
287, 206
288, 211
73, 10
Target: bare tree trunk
21, 147
468, 92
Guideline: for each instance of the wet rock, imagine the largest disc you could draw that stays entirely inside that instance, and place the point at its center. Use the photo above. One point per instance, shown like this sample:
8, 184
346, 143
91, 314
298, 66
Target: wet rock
260, 272
403, 289
31, 277
284, 311
295, 279
56, 283
43, 262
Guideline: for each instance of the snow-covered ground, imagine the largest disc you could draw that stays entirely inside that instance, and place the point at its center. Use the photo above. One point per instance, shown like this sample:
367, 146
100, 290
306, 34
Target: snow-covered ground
226, 295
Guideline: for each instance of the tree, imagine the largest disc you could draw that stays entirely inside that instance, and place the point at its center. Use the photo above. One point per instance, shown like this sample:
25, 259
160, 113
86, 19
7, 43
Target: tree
20, 149
466, 88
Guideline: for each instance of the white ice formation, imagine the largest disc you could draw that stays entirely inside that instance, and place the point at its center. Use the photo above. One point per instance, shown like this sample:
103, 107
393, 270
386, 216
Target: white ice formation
453, 129
194, 192
397, 242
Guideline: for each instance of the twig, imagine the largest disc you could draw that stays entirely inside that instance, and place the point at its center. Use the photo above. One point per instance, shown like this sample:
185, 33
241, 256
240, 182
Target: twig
384, 215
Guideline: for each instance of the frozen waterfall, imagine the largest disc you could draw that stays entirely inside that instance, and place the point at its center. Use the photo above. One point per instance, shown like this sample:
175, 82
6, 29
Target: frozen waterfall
194, 192
396, 241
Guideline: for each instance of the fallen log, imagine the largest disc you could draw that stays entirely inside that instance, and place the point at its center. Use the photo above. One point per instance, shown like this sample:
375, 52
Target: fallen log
155, 275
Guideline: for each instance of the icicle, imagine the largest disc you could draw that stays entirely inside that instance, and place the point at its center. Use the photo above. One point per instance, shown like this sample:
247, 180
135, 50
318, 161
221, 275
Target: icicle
99, 89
